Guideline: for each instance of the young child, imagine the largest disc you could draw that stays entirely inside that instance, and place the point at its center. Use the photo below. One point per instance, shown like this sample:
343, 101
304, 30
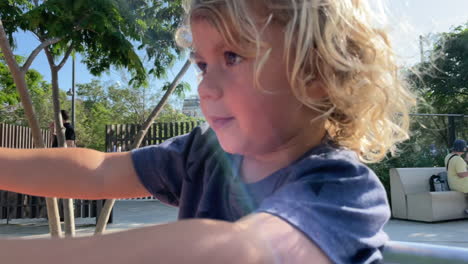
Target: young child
296, 94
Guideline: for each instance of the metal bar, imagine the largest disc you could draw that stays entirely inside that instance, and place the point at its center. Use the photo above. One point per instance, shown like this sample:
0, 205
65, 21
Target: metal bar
396, 252
73, 90
451, 128
455, 115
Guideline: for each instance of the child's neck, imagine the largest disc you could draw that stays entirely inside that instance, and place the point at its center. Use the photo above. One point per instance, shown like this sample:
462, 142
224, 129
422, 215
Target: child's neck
257, 167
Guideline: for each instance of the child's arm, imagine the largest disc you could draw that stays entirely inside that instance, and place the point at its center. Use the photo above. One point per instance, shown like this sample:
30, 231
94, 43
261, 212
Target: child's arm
69, 173
260, 238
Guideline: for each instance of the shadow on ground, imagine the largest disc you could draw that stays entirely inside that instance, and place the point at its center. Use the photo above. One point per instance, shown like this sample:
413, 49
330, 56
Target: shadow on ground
140, 213
451, 233
127, 215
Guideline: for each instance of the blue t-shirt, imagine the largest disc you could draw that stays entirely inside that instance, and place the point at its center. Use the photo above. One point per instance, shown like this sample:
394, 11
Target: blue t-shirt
327, 194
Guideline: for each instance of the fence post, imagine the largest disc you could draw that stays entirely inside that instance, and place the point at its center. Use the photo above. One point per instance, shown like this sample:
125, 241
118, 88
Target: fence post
451, 130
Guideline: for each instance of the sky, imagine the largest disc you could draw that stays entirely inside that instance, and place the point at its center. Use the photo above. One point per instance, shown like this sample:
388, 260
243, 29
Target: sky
407, 19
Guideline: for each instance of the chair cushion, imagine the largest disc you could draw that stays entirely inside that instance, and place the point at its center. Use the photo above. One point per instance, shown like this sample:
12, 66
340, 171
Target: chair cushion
436, 206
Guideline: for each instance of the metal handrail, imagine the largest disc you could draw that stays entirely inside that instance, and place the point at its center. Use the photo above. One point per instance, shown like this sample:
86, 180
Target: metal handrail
396, 252
454, 115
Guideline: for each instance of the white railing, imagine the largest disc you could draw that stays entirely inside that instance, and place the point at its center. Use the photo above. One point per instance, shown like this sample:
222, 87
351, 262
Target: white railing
139, 199
396, 252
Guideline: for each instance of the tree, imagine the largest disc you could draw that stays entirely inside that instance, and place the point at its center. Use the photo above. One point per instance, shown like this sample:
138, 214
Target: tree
170, 114
99, 104
18, 74
107, 209
103, 31
11, 111
94, 112
442, 81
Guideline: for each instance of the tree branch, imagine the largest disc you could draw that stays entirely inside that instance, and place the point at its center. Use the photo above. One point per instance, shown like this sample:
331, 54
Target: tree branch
21, 87
105, 213
50, 58
144, 128
67, 54
36, 51
38, 35
6, 49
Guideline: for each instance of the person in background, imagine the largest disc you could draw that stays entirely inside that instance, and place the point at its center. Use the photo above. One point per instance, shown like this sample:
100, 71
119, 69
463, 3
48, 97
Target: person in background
456, 167
69, 131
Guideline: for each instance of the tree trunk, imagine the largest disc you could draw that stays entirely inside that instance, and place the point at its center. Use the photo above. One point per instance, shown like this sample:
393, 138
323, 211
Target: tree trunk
69, 217
53, 217
144, 128
59, 128
21, 86
106, 210
68, 208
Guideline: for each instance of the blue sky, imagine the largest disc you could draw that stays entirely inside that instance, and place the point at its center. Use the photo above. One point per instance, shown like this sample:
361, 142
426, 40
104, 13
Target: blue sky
407, 20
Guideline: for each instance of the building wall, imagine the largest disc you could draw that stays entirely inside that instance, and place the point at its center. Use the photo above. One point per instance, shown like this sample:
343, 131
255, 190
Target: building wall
191, 107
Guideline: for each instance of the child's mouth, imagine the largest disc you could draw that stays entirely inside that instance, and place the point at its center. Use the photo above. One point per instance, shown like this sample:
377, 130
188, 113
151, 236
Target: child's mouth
220, 122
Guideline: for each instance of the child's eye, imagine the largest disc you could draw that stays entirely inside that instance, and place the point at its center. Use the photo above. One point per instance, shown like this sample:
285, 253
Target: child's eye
201, 67
232, 58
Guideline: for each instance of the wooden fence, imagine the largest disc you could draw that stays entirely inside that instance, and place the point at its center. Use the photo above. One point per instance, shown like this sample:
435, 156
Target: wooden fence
16, 205
12, 136
120, 137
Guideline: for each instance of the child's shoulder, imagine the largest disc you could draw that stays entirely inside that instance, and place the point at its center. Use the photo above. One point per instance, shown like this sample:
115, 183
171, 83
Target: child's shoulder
332, 175
328, 194
333, 163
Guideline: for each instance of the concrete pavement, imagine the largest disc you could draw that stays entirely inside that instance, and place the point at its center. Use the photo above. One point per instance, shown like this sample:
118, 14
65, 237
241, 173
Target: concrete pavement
450, 233
135, 214
127, 215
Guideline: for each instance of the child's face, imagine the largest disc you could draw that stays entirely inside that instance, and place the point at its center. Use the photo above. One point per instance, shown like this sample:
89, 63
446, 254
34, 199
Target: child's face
246, 119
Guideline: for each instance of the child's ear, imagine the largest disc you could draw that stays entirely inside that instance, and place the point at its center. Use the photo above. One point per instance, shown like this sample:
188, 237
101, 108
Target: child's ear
317, 89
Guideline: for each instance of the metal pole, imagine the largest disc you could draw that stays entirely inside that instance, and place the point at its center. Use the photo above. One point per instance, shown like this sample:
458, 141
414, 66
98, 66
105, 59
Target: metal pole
73, 90
451, 132
421, 47
454, 115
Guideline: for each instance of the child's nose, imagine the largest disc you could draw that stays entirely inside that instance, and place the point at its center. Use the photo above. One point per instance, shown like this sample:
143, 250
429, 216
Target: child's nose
210, 88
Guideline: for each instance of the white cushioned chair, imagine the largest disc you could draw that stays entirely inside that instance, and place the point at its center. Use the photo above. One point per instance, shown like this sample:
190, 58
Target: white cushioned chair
412, 200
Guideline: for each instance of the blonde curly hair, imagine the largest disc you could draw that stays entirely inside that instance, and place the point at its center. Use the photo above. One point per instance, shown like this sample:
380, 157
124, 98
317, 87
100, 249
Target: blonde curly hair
334, 41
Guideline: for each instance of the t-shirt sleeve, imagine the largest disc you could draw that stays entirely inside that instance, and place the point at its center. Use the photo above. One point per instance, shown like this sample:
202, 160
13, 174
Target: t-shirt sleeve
460, 164
163, 168
343, 216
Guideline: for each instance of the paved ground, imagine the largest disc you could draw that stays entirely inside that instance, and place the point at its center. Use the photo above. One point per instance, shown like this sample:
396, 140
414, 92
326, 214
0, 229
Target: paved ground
451, 233
134, 214
127, 215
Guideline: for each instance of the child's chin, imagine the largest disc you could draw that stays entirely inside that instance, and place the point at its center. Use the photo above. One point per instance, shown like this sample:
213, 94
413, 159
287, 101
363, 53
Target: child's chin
232, 145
